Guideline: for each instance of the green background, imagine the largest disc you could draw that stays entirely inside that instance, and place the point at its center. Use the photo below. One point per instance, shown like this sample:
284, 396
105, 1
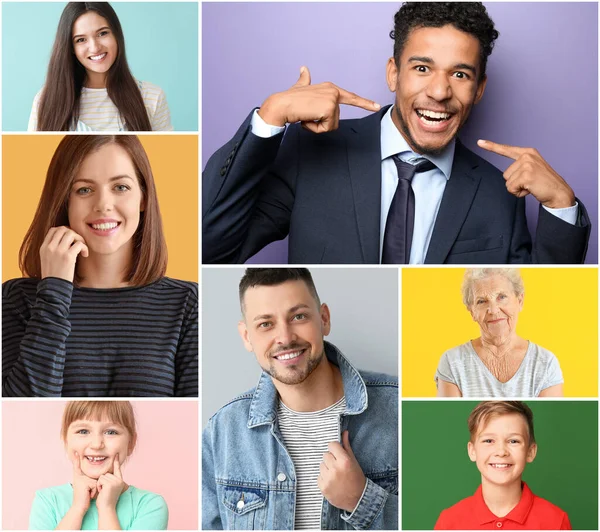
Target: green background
161, 42
437, 472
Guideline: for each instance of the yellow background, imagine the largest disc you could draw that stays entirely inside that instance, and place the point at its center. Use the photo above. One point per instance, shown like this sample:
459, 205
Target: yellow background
174, 161
560, 313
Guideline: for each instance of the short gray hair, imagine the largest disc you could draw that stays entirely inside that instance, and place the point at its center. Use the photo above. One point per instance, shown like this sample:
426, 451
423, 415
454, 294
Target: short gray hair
472, 275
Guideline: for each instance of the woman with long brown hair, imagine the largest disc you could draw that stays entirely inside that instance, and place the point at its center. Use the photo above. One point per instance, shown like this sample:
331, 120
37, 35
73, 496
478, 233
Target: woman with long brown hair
95, 314
89, 86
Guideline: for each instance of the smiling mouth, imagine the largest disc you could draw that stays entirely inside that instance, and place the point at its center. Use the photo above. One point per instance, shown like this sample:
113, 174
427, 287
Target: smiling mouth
98, 57
96, 459
496, 321
289, 356
105, 226
433, 117
501, 466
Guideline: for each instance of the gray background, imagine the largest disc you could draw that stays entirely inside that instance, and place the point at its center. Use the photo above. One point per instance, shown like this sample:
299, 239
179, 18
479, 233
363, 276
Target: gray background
364, 326
542, 89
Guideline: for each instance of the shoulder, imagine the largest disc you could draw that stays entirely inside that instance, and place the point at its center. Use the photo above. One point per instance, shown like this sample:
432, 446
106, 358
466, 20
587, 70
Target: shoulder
146, 498
373, 379
234, 411
474, 160
178, 285
150, 90
55, 493
548, 511
542, 354
23, 287
458, 354
456, 517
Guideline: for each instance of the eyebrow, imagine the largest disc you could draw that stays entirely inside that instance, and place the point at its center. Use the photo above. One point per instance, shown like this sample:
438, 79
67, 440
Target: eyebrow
430, 61
290, 311
83, 35
487, 434
115, 178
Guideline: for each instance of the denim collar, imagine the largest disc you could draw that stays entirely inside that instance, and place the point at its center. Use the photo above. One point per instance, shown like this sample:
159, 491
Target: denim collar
263, 408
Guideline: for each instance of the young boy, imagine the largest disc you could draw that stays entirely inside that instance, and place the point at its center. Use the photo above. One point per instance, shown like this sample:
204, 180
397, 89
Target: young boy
502, 443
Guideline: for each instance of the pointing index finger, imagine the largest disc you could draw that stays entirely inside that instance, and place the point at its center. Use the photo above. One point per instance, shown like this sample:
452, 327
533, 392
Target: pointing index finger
349, 98
77, 463
513, 152
117, 468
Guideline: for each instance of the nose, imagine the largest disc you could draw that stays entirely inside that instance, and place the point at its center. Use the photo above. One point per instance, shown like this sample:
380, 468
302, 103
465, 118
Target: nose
501, 449
439, 87
493, 307
285, 334
93, 45
104, 201
97, 441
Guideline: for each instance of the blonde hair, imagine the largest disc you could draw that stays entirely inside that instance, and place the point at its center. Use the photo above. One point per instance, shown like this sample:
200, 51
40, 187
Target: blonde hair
472, 275
487, 410
120, 412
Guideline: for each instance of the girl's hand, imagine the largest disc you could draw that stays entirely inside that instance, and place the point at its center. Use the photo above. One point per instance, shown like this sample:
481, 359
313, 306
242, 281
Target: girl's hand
110, 487
59, 252
84, 487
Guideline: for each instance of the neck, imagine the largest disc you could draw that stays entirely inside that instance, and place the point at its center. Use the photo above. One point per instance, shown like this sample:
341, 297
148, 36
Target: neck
321, 389
501, 499
103, 271
95, 80
499, 346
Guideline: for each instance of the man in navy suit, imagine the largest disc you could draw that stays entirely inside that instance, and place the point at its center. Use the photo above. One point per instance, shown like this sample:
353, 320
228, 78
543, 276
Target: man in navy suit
330, 184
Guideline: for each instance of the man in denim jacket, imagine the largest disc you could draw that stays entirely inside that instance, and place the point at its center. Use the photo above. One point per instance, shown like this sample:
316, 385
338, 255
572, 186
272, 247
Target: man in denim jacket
315, 444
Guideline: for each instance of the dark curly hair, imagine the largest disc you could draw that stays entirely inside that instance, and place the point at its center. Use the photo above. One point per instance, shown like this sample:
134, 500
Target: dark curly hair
470, 17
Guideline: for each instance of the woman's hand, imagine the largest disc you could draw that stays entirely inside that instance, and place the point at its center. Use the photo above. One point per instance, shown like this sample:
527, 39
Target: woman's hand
110, 487
84, 487
59, 252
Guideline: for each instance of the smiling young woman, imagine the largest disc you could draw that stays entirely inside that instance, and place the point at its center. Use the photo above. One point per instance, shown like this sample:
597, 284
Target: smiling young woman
99, 436
95, 314
89, 86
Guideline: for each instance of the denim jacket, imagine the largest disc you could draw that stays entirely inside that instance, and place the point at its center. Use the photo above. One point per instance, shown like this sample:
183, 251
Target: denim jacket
248, 477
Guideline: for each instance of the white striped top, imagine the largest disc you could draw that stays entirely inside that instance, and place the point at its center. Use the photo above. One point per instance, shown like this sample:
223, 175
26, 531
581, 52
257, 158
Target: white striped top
306, 435
97, 112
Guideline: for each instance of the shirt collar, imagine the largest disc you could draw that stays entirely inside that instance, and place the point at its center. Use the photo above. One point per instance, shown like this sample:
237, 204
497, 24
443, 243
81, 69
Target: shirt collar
518, 514
263, 408
392, 142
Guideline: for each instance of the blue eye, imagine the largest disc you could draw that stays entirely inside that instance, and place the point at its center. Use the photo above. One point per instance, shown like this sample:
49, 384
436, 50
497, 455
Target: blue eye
122, 188
264, 325
83, 190
83, 431
112, 432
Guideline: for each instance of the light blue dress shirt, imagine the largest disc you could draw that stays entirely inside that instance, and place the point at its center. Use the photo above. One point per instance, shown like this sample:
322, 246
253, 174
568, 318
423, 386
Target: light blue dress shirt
427, 186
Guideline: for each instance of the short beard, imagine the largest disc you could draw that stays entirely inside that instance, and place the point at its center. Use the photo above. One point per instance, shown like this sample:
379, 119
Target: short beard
296, 375
417, 148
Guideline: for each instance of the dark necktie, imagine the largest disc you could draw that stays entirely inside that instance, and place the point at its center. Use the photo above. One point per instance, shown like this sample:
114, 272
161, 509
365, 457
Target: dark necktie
400, 222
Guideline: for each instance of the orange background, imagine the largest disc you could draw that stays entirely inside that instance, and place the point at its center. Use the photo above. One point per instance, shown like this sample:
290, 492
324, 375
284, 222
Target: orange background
174, 161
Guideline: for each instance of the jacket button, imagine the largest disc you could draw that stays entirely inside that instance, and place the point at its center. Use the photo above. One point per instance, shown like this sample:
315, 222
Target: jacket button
223, 171
240, 505
499, 524
228, 161
281, 477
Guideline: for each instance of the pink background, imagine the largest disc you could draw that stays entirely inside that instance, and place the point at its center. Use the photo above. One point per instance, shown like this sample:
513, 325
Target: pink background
165, 459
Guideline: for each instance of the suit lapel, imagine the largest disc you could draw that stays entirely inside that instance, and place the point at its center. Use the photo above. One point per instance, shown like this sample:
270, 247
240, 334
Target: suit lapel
364, 162
456, 202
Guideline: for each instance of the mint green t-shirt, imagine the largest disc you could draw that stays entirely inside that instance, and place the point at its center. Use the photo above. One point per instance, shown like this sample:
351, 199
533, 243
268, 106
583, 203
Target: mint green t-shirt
136, 509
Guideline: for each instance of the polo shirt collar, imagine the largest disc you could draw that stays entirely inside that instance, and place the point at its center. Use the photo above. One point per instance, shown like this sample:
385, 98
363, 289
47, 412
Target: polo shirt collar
392, 143
518, 514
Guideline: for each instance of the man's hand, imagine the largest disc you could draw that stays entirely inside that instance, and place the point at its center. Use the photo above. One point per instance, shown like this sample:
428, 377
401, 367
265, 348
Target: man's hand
316, 106
341, 480
531, 174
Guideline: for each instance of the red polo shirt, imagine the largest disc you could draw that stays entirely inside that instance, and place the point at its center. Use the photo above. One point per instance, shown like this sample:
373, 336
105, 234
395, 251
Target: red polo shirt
532, 513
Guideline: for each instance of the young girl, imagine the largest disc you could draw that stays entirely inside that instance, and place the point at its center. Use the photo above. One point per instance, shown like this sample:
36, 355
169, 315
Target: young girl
95, 315
89, 86
98, 438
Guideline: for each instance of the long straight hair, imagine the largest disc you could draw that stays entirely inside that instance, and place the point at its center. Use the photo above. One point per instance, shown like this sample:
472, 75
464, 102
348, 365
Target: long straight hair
59, 103
149, 261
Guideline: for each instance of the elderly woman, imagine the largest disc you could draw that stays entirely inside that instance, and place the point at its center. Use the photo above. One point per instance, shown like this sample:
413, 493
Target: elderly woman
499, 363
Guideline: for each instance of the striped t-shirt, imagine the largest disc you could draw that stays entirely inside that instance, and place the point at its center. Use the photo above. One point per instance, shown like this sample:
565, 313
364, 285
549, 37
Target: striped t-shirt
61, 340
306, 436
97, 112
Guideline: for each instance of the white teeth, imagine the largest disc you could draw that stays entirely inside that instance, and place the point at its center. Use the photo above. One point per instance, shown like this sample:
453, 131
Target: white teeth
289, 356
433, 114
97, 57
105, 227
500, 466
96, 458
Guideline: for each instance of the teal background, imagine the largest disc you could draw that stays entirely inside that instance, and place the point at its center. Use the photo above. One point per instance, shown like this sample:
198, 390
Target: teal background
437, 472
161, 41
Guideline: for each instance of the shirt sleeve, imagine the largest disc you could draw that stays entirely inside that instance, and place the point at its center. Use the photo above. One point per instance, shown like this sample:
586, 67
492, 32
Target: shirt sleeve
377, 509
566, 214
554, 374
261, 129
34, 341
43, 514
152, 514
161, 118
444, 371
566, 524
186, 359
33, 117
441, 523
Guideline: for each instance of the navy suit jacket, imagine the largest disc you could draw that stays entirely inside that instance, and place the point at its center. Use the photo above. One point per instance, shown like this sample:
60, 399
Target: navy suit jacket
324, 191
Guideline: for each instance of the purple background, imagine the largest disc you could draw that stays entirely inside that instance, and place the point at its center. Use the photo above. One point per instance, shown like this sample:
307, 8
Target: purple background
542, 89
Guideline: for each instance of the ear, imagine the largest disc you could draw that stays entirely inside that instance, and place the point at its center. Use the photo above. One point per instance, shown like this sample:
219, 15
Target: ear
471, 452
391, 73
521, 298
480, 90
531, 452
243, 330
325, 320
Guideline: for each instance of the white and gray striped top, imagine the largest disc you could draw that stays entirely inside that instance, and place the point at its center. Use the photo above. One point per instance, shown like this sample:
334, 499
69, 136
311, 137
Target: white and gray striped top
306, 436
461, 366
